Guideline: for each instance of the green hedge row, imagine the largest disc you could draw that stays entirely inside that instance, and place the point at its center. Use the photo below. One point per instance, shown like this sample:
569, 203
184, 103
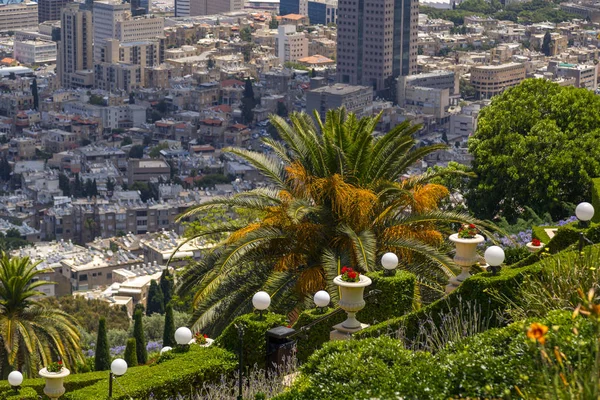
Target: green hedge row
183, 374
255, 343
395, 299
488, 365
566, 236
596, 199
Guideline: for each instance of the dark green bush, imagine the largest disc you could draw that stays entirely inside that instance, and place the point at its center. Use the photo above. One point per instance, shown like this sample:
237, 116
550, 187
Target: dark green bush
596, 199
25, 393
395, 299
255, 329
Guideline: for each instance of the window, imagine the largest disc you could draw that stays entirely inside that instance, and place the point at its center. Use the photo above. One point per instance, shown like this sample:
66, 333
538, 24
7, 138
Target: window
109, 275
83, 278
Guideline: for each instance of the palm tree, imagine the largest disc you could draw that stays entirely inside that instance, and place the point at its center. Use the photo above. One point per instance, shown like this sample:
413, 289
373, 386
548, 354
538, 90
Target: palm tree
339, 196
31, 335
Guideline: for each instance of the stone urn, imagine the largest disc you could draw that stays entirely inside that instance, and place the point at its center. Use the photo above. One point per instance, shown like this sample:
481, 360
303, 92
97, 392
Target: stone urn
534, 249
54, 382
351, 299
466, 256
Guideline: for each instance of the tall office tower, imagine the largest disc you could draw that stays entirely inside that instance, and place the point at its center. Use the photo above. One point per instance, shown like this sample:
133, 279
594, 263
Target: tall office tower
49, 10
377, 42
182, 8
140, 7
211, 7
75, 47
106, 15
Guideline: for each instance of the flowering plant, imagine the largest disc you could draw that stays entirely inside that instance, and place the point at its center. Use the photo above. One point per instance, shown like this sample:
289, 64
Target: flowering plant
536, 242
350, 275
56, 366
467, 231
200, 338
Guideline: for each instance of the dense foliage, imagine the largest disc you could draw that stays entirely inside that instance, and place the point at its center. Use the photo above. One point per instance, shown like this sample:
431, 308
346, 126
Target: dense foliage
88, 312
536, 145
102, 356
140, 339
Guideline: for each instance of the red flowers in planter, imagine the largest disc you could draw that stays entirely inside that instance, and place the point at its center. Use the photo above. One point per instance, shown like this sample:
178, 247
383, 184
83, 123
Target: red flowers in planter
467, 231
350, 275
536, 242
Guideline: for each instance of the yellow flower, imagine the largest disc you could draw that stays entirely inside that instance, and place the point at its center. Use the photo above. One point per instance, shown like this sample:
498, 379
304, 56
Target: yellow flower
537, 332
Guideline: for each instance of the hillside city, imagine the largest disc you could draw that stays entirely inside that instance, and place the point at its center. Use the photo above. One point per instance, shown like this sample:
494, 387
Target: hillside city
189, 188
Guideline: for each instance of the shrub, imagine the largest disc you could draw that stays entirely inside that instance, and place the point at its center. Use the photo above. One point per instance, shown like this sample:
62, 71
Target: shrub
255, 328
596, 199
131, 353
169, 331
23, 394
140, 340
102, 354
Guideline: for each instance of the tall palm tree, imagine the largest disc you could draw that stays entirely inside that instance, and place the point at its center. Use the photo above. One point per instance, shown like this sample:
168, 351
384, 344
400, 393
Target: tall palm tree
31, 335
338, 196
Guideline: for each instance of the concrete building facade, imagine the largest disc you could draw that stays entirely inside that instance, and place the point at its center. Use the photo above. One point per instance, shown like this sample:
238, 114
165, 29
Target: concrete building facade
49, 10
34, 51
211, 7
291, 45
75, 47
490, 80
18, 16
356, 99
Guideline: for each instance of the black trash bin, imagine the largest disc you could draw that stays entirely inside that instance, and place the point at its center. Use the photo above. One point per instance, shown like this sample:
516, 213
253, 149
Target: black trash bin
280, 347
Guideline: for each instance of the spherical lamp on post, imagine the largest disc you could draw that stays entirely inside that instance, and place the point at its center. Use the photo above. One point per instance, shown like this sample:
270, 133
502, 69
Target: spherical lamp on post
322, 300
389, 261
117, 368
494, 257
183, 337
261, 301
15, 379
584, 213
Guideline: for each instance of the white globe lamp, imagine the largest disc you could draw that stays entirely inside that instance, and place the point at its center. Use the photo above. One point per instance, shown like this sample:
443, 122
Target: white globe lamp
165, 349
584, 212
261, 301
118, 367
15, 379
494, 257
389, 261
322, 299
183, 336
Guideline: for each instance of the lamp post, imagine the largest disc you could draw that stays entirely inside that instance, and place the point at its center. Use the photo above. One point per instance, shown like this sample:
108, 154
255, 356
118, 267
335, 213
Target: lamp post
584, 213
183, 337
261, 301
494, 257
15, 379
389, 261
322, 300
240, 329
117, 368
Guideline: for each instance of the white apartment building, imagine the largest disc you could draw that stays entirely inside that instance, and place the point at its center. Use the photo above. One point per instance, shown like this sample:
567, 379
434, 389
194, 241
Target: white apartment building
139, 28
34, 51
106, 14
18, 16
291, 45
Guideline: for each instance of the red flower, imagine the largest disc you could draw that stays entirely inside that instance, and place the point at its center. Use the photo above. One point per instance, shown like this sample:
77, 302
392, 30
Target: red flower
471, 226
536, 242
59, 362
345, 269
352, 275
205, 336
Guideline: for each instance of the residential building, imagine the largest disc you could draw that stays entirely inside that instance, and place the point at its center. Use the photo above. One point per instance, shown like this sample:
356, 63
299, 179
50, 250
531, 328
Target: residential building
34, 51
294, 19
75, 47
434, 80
324, 47
291, 45
212, 7
586, 76
356, 99
588, 11
132, 29
120, 76
21, 15
425, 100
377, 42
145, 170
147, 53
490, 80
49, 10
21, 148
57, 140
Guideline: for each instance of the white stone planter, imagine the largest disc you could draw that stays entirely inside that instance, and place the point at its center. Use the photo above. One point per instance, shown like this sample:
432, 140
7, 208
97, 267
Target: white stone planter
535, 249
466, 256
351, 299
54, 382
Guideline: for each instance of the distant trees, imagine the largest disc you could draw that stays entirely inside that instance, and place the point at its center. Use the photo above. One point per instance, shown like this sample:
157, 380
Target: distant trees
536, 145
169, 330
140, 340
136, 151
246, 34
248, 102
546, 44
282, 110
126, 141
102, 357
5, 169
35, 94
166, 286
156, 301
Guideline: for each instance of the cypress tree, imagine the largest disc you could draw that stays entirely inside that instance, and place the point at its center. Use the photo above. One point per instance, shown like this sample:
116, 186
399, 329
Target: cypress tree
35, 94
140, 340
166, 285
102, 358
156, 301
131, 353
169, 332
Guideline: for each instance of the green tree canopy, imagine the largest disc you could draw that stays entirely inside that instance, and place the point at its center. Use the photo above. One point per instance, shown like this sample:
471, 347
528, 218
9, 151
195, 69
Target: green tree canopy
156, 300
136, 151
140, 339
536, 145
546, 44
102, 357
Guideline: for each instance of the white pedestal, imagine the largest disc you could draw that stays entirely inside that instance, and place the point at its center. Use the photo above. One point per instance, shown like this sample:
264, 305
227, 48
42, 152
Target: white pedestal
341, 333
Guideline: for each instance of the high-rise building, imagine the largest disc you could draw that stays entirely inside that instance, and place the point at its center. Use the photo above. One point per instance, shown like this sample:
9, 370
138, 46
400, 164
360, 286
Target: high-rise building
377, 42
211, 7
140, 7
106, 15
182, 8
75, 46
49, 10
291, 45
21, 15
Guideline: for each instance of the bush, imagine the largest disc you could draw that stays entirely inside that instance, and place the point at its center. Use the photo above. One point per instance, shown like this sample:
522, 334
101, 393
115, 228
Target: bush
255, 329
395, 299
102, 357
23, 394
596, 199
140, 340
131, 353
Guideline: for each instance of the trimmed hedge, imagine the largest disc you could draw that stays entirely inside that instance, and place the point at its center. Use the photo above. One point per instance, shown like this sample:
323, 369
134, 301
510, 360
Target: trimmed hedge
488, 365
539, 232
395, 299
184, 374
26, 393
255, 343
